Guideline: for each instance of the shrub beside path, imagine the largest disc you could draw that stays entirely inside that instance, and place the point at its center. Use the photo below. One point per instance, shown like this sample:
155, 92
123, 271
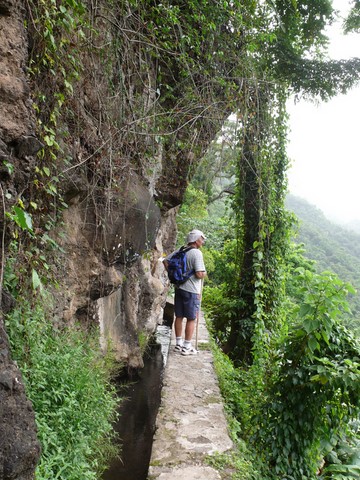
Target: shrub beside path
191, 423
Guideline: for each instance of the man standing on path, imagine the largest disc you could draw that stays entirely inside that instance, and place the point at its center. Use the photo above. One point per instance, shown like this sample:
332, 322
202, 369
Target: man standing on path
187, 295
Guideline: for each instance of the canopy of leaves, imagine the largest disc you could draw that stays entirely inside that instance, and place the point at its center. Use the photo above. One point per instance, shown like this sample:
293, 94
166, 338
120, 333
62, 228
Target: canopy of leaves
352, 23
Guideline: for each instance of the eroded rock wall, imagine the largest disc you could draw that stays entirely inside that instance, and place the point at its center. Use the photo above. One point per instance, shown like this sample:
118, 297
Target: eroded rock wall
19, 447
116, 278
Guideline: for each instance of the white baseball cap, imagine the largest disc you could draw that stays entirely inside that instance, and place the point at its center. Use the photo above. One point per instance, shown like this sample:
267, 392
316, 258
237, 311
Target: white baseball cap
195, 235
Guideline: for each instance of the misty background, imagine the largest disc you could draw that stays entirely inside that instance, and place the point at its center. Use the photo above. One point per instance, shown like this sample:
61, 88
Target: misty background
323, 143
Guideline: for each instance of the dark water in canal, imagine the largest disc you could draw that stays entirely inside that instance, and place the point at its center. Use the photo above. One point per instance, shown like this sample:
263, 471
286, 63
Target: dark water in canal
138, 412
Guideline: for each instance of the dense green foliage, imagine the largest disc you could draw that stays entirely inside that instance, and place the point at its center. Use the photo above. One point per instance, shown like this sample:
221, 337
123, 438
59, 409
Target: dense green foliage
332, 247
68, 381
316, 389
295, 411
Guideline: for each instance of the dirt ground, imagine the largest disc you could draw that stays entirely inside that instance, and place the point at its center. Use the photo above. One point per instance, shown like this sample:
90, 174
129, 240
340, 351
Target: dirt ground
191, 422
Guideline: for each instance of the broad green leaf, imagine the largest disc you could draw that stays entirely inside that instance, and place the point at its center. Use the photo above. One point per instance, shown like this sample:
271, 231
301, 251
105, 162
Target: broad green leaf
22, 218
319, 378
311, 324
305, 309
48, 140
351, 289
325, 336
36, 280
313, 343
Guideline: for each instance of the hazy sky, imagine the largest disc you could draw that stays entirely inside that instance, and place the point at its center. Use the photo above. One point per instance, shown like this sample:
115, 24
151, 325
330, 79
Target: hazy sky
324, 145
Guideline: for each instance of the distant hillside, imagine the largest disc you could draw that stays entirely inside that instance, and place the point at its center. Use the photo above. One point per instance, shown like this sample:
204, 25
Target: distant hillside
333, 247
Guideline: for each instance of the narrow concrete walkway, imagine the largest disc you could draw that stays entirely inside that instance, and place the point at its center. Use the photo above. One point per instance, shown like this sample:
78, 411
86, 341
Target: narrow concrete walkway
191, 423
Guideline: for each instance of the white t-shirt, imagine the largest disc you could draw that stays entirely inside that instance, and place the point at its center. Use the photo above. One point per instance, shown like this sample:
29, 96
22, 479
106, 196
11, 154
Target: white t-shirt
194, 261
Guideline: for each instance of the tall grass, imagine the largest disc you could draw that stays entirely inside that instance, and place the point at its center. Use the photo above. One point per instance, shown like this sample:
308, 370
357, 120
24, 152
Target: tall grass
68, 381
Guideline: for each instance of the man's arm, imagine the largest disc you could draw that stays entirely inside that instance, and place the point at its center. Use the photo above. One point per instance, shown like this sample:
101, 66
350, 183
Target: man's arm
200, 274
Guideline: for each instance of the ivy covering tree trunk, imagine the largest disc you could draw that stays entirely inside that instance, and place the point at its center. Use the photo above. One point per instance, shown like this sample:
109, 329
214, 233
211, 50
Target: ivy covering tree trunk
262, 225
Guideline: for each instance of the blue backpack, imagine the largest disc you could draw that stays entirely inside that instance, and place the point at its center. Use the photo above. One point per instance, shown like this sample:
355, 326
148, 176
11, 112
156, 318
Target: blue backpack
177, 267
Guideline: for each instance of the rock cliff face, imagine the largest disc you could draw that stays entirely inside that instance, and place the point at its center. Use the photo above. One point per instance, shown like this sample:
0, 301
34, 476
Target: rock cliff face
121, 184
19, 447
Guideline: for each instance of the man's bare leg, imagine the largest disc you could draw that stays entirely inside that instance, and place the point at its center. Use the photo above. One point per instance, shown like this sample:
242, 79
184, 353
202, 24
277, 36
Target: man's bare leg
178, 326
189, 330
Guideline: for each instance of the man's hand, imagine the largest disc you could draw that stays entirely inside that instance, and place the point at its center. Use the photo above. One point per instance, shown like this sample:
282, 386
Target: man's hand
200, 274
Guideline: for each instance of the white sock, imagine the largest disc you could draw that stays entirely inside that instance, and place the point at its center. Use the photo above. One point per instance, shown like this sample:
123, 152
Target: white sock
187, 344
179, 341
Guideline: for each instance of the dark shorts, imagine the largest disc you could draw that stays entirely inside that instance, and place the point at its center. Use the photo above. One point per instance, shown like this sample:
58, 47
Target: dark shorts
186, 304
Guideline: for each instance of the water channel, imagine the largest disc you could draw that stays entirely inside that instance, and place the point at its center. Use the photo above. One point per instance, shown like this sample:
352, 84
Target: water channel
138, 411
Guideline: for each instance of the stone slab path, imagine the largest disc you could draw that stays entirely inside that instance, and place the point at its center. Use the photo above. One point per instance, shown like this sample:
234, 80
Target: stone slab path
191, 422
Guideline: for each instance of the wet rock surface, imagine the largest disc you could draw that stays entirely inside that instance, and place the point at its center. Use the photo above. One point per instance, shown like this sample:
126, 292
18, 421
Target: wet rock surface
191, 423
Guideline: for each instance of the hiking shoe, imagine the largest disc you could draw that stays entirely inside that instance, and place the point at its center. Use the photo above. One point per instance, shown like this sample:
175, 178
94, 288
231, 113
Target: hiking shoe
178, 348
188, 351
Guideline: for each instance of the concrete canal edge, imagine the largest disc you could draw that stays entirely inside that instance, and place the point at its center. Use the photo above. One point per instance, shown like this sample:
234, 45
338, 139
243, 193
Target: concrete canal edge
191, 423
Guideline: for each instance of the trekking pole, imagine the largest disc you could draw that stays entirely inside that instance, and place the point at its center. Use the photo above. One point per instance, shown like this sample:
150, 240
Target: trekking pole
198, 317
